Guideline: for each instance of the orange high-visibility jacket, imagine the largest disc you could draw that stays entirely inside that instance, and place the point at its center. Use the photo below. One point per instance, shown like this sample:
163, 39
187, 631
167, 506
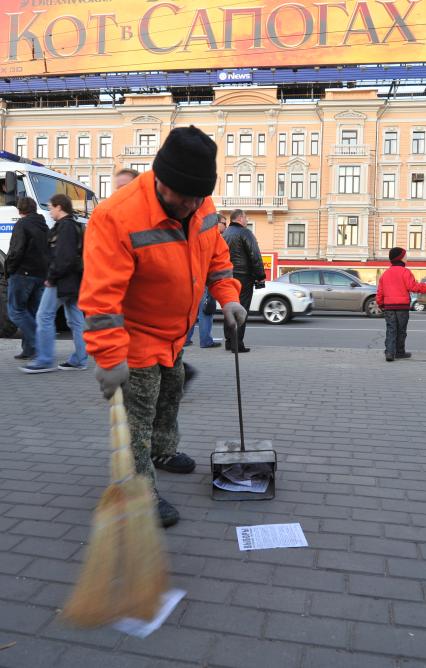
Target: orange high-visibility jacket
143, 280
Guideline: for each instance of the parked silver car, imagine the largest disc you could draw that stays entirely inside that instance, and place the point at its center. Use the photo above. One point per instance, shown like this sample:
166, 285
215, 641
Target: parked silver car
336, 290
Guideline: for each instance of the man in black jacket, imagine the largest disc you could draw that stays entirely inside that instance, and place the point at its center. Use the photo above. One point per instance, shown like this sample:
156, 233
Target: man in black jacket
248, 268
61, 288
26, 269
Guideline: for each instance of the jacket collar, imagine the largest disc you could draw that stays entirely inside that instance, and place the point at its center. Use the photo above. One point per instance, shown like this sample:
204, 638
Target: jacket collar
398, 263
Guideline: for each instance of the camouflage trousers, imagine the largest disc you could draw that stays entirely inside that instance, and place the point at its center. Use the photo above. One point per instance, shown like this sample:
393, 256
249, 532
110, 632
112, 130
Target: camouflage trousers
152, 397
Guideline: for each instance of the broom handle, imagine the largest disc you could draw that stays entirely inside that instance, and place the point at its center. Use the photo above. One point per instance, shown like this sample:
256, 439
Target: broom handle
237, 372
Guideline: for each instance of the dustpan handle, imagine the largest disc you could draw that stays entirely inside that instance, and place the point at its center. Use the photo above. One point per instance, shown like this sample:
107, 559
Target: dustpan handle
237, 373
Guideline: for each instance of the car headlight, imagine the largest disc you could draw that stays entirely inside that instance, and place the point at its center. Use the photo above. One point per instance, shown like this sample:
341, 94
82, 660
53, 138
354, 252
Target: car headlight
300, 294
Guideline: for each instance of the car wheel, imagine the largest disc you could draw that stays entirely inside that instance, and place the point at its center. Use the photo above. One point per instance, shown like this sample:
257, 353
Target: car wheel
276, 310
371, 309
418, 306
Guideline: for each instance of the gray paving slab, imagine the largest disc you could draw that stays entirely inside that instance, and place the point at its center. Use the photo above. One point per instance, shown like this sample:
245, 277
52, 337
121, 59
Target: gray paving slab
348, 431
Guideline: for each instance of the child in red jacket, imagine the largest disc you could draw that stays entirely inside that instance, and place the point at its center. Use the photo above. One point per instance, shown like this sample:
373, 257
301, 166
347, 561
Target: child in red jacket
393, 297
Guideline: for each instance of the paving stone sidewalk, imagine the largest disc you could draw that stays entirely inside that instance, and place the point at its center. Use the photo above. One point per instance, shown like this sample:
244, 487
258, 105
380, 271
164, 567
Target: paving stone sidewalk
349, 430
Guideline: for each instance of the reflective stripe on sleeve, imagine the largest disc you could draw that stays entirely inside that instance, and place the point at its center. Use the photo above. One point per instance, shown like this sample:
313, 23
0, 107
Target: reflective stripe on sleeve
104, 321
209, 221
218, 275
154, 237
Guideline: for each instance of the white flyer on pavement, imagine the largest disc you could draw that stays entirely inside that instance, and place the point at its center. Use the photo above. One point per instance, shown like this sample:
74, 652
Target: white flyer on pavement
256, 486
142, 628
268, 536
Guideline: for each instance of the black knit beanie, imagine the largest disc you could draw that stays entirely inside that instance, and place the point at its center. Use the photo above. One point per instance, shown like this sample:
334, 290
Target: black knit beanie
396, 254
186, 162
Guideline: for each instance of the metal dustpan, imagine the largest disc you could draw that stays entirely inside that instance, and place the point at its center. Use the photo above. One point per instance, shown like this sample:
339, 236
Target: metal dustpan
239, 464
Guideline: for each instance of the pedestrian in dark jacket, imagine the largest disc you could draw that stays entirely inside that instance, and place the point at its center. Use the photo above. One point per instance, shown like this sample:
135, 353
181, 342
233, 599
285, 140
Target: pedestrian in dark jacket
393, 297
61, 288
26, 269
248, 269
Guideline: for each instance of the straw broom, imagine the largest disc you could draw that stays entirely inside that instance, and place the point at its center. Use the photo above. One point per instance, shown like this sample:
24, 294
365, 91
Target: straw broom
125, 570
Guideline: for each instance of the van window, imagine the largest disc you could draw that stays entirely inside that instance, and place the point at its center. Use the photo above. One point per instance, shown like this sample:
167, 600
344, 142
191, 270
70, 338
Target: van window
83, 201
20, 190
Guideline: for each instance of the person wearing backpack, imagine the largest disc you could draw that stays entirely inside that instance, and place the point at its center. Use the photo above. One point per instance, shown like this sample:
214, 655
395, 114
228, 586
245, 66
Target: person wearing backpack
62, 286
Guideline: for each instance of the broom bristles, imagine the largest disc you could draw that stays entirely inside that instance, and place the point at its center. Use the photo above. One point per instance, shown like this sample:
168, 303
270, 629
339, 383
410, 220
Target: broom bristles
125, 569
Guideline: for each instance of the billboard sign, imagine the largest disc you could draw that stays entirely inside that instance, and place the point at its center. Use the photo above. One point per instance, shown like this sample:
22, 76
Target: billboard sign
87, 36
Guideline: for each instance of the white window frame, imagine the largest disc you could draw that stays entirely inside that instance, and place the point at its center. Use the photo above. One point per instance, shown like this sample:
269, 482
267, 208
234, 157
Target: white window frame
62, 148
296, 185
86, 144
417, 188
87, 181
21, 146
230, 144
352, 136
282, 143
261, 145
44, 154
313, 185
279, 182
418, 143
348, 229
299, 232
105, 185
248, 145
105, 141
349, 179
229, 185
245, 179
260, 181
388, 186
140, 167
387, 229
298, 144
315, 139
415, 232
390, 143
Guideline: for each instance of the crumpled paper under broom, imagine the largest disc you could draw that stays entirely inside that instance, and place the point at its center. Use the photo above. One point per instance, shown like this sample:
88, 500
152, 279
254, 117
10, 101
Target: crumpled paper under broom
125, 572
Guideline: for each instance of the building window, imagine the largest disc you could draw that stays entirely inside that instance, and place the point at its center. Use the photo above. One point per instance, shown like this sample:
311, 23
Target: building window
389, 186
282, 143
41, 147
62, 147
315, 143
148, 144
386, 236
349, 180
281, 185
105, 147
260, 185
84, 178
140, 166
347, 230
244, 185
415, 238
297, 143
261, 144
104, 186
84, 147
229, 189
246, 142
349, 137
296, 184
313, 185
391, 142
417, 182
230, 145
296, 236
21, 147
418, 141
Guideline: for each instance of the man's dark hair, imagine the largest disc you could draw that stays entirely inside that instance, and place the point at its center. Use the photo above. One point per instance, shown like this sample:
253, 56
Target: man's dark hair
131, 172
236, 214
63, 201
26, 205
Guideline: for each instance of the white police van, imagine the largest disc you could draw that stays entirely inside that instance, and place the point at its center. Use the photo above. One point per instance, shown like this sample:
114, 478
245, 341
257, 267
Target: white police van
20, 177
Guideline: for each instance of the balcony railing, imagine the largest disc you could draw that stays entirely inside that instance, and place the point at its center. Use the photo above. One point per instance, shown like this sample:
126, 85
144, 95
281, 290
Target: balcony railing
138, 151
251, 203
350, 149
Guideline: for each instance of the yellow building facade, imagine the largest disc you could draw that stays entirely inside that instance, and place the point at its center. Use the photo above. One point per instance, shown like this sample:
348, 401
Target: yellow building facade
340, 180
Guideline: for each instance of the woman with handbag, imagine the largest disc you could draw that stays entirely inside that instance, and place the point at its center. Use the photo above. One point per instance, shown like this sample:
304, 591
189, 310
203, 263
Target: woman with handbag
206, 311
